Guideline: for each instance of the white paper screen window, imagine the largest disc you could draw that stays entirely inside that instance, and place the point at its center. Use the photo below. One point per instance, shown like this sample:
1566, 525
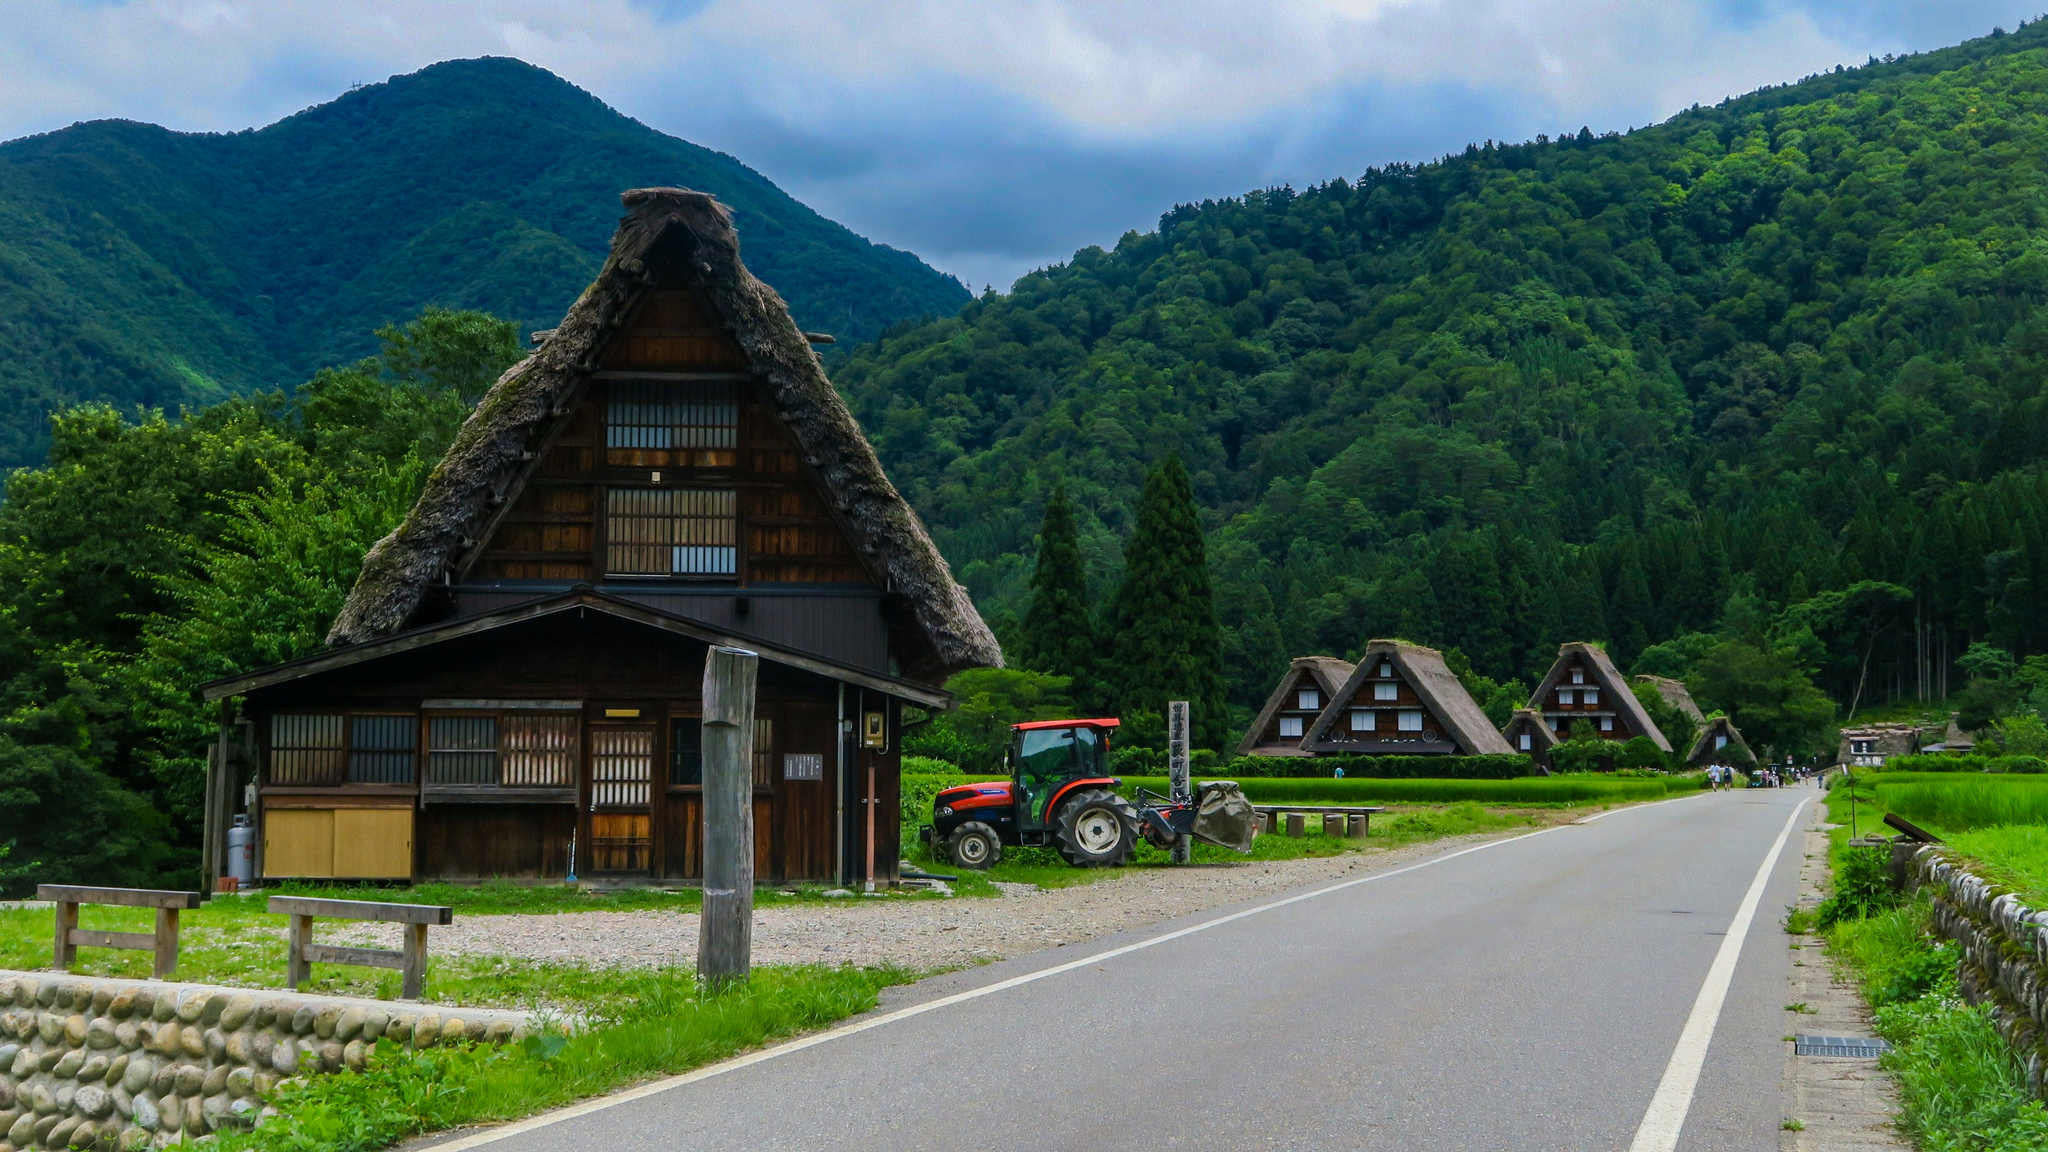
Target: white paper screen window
1361, 720
1385, 691
1411, 721
1591, 696
1290, 727
1308, 700
1607, 723
1524, 740
1566, 696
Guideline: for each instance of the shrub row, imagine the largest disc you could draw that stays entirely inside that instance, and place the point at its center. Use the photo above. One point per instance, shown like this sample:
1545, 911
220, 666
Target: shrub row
1943, 762
1372, 767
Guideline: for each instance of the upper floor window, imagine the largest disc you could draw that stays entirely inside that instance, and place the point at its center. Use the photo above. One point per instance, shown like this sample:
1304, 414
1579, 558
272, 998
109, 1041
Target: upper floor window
1524, 740
1362, 719
1578, 675
1720, 741
671, 532
321, 750
655, 425
1566, 696
1308, 700
1290, 727
1591, 696
1410, 722
1386, 668
1385, 691
1607, 723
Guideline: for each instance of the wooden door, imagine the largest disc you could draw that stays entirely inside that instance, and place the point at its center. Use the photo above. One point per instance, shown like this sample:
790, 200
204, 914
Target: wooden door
298, 842
804, 807
621, 782
373, 843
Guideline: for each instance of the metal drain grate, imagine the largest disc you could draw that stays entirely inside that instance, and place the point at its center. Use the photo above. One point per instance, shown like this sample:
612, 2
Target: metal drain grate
1855, 1047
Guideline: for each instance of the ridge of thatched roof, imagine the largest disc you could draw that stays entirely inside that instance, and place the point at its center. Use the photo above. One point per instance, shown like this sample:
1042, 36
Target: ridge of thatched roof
1439, 688
674, 237
1702, 748
1676, 694
1329, 674
1609, 680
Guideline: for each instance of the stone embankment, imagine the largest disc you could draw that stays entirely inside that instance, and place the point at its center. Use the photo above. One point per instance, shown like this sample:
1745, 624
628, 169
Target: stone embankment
88, 1062
2003, 946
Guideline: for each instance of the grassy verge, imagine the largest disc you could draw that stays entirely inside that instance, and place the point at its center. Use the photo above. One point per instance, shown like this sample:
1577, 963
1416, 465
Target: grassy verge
1960, 1087
658, 1026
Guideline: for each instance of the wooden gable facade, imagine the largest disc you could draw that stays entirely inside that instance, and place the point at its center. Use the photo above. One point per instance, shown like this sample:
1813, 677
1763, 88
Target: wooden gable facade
512, 688
1297, 700
1528, 733
1402, 700
1583, 684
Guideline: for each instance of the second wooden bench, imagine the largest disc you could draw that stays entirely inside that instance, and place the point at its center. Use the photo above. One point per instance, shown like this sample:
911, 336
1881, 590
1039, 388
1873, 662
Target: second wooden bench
411, 960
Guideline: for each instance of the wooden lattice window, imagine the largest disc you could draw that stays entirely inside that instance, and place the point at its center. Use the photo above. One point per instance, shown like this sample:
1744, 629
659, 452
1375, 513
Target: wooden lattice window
621, 767
511, 750
329, 749
671, 532
764, 752
650, 425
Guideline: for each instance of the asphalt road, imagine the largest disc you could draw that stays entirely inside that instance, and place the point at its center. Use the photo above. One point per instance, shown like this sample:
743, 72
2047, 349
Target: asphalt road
1525, 995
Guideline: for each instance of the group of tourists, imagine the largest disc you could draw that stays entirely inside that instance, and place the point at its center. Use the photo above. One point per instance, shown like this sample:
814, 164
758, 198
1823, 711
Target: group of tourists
1721, 776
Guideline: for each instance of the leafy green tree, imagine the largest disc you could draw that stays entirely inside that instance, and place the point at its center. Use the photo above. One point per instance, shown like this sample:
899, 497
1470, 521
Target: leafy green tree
1162, 622
450, 351
1767, 696
1848, 623
988, 701
1059, 632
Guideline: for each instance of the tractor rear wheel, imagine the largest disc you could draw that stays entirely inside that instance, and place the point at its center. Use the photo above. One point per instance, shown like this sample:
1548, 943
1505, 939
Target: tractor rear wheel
975, 845
1093, 830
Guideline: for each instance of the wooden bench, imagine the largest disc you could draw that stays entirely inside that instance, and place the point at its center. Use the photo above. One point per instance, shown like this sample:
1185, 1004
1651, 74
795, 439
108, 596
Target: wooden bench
163, 942
411, 960
1356, 819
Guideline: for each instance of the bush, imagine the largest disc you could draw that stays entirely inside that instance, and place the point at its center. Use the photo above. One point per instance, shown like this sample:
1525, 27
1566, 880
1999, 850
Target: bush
1862, 889
1373, 767
926, 766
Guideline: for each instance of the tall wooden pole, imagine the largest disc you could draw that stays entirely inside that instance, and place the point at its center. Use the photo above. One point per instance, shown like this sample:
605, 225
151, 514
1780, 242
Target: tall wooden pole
1178, 784
725, 935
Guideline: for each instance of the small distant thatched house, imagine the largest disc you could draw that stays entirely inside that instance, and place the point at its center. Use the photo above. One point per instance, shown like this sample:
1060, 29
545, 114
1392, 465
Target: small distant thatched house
1872, 744
1402, 699
1527, 731
1675, 694
1720, 743
1299, 697
1955, 740
512, 687
1584, 684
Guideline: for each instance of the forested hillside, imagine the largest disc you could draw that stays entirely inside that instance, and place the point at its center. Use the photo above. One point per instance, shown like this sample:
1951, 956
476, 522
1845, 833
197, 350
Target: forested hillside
144, 266
1772, 370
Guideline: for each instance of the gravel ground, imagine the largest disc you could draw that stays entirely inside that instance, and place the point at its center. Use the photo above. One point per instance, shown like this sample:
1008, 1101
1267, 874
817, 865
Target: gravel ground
912, 933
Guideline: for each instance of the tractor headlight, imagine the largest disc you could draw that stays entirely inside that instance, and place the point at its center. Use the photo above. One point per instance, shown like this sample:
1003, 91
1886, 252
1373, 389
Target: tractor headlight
945, 810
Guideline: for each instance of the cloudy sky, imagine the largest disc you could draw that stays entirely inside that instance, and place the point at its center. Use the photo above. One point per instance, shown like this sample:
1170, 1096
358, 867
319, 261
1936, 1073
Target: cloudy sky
988, 136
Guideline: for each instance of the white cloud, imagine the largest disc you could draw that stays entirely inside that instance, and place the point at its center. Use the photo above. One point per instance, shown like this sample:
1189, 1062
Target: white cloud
996, 133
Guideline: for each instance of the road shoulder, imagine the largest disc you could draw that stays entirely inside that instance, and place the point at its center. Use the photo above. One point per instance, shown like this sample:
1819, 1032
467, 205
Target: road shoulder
1845, 1105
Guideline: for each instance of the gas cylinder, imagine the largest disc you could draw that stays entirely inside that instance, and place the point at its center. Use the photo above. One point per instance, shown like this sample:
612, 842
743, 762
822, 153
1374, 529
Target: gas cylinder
242, 852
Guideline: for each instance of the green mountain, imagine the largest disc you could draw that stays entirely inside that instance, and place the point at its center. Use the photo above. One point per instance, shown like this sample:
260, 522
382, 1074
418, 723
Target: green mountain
1714, 376
144, 266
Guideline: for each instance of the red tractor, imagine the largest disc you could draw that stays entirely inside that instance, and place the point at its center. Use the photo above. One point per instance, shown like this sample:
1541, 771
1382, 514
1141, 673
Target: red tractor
1060, 795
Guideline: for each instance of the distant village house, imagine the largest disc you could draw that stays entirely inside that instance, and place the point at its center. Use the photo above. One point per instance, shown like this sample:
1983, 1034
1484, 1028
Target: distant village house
1583, 684
1306, 688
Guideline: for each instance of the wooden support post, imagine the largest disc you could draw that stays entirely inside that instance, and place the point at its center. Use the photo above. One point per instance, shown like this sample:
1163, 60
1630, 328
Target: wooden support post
296, 967
1357, 828
67, 950
413, 972
211, 849
1179, 787
166, 943
1296, 824
725, 936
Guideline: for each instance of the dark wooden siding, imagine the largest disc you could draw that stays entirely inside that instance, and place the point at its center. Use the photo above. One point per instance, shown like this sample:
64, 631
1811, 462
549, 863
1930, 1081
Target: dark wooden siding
846, 626
486, 841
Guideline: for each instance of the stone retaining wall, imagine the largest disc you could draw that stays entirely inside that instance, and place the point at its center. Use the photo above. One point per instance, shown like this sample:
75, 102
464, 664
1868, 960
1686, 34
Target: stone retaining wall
103, 1063
2004, 951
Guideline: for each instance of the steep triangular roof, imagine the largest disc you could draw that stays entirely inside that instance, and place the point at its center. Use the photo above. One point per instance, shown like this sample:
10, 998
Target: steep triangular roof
1541, 737
1703, 748
1609, 680
1329, 674
1675, 694
1439, 688
669, 237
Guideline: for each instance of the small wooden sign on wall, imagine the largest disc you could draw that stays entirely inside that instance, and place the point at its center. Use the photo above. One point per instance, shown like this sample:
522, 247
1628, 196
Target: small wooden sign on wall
803, 766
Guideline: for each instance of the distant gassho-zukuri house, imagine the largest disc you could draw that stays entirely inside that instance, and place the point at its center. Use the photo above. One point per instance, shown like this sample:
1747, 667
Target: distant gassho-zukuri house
1402, 699
512, 685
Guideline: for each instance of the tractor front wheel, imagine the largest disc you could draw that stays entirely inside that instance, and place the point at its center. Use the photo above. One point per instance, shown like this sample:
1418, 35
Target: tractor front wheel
1093, 831
975, 845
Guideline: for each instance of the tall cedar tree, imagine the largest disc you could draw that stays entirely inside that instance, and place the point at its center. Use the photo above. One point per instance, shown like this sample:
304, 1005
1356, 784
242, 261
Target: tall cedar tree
1059, 635
1163, 633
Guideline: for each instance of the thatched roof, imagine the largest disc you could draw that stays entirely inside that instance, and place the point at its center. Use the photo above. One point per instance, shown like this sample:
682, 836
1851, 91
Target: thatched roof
1328, 673
1608, 679
1440, 689
669, 237
1704, 752
1542, 737
1675, 694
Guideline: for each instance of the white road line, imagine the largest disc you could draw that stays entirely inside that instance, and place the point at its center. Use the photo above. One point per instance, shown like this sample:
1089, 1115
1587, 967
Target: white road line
522, 1127
1666, 1115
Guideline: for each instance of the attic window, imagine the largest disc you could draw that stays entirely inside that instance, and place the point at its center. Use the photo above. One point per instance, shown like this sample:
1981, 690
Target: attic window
1578, 675
1591, 696
1385, 691
1565, 696
1524, 740
1308, 700
1720, 742
1386, 668
654, 425
671, 532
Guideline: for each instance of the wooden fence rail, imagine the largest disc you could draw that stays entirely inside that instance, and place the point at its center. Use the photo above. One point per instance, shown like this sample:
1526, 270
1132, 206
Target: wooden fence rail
69, 936
411, 960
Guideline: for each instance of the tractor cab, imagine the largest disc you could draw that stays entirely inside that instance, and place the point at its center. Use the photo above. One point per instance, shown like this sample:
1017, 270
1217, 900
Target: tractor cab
1046, 760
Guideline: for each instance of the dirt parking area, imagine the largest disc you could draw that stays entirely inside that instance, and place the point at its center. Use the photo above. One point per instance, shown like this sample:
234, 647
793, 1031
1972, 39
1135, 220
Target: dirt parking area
914, 933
